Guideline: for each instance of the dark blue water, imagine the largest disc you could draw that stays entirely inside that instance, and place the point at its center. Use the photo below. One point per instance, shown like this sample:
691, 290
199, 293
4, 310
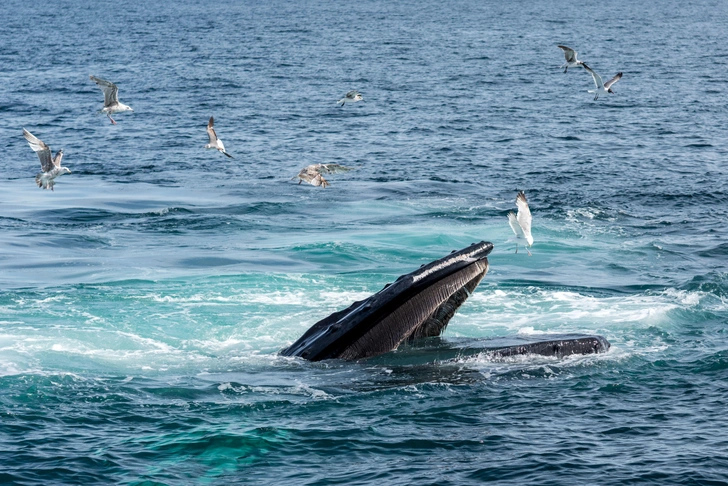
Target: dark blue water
144, 301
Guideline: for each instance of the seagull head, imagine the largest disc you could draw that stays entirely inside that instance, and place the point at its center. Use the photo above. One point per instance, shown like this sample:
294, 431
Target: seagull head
65, 170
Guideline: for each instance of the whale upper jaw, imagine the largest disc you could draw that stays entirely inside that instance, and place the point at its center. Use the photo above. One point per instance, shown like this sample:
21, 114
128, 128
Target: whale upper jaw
419, 303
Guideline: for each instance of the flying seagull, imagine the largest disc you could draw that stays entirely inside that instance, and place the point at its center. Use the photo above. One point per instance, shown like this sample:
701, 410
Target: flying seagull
571, 60
602, 88
111, 98
50, 166
313, 173
215, 143
521, 224
351, 97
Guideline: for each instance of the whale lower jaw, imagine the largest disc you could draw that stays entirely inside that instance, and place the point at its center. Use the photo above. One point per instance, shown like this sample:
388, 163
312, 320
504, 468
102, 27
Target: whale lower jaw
556, 345
498, 349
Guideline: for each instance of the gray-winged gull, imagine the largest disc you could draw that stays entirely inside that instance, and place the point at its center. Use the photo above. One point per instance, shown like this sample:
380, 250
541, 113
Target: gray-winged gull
351, 97
111, 98
50, 166
312, 173
215, 143
602, 88
571, 60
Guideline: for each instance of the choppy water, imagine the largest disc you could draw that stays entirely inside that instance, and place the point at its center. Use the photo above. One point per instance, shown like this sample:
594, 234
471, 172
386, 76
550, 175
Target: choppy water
143, 302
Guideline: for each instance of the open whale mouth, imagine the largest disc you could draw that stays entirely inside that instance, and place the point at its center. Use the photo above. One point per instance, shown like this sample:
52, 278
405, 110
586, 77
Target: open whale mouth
418, 304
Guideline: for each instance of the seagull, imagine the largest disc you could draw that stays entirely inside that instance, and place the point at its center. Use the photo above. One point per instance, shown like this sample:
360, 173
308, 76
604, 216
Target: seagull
570, 55
312, 173
351, 97
602, 88
50, 166
521, 224
215, 143
111, 98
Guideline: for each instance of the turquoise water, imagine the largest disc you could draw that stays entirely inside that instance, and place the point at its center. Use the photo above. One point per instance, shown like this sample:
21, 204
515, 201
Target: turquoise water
144, 301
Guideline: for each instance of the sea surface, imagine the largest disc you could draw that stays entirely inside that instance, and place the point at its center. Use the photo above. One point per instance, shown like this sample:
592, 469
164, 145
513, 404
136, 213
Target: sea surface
144, 301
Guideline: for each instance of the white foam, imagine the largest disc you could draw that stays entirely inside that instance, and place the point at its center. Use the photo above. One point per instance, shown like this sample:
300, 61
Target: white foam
688, 299
315, 393
575, 215
298, 298
9, 368
531, 310
529, 331
48, 300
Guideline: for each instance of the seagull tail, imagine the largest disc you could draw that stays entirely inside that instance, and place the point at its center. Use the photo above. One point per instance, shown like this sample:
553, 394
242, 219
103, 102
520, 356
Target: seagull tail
44, 184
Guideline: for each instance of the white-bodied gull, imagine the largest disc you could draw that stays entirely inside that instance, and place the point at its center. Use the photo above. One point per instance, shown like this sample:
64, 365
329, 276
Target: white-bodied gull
602, 88
111, 98
521, 224
351, 97
313, 173
571, 60
50, 166
215, 143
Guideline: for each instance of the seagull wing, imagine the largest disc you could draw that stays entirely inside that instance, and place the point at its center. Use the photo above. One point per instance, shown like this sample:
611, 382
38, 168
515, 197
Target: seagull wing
351, 94
569, 53
221, 148
597, 78
612, 81
308, 173
57, 159
332, 168
303, 176
111, 91
211, 131
524, 216
40, 148
513, 221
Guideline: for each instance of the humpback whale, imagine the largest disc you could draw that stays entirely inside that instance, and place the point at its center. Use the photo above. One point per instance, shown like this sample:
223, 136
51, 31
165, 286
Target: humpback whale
417, 305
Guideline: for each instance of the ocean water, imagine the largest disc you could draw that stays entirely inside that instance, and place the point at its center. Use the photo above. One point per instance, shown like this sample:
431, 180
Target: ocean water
144, 301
